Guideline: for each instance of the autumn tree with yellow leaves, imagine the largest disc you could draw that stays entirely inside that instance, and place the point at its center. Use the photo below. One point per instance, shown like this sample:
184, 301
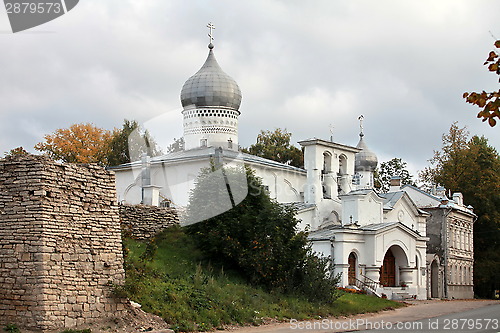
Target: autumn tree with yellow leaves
86, 143
80, 143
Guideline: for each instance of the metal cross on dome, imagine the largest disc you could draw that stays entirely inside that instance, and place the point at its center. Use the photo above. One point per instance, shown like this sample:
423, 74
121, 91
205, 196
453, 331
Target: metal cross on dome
361, 118
211, 35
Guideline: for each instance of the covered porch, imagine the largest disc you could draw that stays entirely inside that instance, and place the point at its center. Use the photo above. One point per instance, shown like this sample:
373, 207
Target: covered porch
394, 279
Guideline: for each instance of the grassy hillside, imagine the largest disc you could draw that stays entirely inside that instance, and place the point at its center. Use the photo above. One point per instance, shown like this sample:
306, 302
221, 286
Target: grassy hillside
169, 278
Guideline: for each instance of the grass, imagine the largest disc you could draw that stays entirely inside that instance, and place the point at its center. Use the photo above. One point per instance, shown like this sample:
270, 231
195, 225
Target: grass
169, 278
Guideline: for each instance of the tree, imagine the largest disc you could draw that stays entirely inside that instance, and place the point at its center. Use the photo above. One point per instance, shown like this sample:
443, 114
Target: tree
472, 167
258, 237
389, 169
276, 146
16, 152
86, 143
448, 164
80, 143
488, 102
177, 145
119, 152
129, 143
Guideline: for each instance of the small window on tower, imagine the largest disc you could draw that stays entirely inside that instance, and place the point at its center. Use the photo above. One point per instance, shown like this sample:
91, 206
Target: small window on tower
203, 142
230, 144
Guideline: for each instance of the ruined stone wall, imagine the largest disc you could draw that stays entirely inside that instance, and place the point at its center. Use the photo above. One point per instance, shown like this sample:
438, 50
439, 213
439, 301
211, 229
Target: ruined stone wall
60, 243
143, 222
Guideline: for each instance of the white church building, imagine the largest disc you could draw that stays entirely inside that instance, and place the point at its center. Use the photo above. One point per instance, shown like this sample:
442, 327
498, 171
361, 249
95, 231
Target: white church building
376, 241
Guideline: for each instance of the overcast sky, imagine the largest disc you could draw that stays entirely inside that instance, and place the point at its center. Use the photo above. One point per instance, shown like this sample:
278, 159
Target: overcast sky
301, 65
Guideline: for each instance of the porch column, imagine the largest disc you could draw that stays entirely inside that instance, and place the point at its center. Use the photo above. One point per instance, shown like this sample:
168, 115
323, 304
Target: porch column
373, 273
406, 275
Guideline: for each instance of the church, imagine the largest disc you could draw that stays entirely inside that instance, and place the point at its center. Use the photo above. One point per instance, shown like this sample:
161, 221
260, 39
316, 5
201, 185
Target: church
401, 244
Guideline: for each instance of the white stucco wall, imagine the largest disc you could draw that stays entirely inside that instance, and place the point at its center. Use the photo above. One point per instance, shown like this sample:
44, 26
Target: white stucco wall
284, 185
305, 219
405, 213
363, 208
322, 248
175, 181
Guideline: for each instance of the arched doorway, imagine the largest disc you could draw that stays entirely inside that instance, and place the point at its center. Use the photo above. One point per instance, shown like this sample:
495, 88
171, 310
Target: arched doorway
395, 269
351, 272
434, 279
388, 270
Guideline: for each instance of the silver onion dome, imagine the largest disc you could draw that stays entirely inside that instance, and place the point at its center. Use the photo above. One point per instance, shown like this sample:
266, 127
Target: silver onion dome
365, 160
211, 87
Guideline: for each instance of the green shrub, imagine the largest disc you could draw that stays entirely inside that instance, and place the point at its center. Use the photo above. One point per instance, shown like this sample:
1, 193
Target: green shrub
258, 237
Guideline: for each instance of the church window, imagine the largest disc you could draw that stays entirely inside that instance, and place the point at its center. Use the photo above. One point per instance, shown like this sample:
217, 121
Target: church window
452, 244
203, 142
230, 144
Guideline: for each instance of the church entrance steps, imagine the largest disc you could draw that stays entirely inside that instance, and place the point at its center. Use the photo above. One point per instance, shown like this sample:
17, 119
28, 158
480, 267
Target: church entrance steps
368, 285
